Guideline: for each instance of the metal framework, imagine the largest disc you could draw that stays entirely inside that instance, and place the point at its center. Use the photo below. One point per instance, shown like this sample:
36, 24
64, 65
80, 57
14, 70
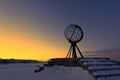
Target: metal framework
72, 53
73, 34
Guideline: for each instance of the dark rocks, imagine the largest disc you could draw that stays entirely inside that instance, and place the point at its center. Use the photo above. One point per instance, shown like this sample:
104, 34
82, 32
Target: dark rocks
38, 70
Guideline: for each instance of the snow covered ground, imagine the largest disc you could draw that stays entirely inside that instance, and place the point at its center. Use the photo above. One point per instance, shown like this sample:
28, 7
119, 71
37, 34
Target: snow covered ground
26, 72
18, 71
64, 73
105, 69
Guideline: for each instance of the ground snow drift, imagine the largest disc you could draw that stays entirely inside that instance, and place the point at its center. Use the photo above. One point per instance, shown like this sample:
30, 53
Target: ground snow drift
64, 73
26, 72
18, 71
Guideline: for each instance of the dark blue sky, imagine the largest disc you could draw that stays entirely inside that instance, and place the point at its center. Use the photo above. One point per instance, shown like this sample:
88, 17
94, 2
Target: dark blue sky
100, 20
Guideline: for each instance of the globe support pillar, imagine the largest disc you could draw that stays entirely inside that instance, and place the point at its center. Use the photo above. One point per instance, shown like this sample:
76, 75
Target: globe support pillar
72, 51
79, 52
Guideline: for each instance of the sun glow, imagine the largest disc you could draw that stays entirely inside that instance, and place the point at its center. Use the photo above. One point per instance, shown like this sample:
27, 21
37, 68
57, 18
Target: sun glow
21, 38
19, 46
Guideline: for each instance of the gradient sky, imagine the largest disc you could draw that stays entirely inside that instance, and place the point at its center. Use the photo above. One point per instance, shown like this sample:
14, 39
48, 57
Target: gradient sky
34, 29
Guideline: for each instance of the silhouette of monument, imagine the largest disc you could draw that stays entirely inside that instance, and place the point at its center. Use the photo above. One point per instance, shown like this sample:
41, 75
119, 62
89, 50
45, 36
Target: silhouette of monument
73, 34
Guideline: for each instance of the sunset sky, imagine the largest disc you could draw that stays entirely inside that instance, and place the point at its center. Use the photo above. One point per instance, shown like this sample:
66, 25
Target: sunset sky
34, 29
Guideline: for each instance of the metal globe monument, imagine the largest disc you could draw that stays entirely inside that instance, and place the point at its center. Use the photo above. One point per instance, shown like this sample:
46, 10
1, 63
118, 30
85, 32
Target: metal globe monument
73, 34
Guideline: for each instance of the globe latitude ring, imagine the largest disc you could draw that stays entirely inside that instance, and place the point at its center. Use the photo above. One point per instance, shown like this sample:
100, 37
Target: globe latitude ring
73, 33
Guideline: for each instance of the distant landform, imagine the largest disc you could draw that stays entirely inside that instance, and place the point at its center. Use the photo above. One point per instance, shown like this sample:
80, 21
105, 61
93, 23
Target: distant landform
4, 61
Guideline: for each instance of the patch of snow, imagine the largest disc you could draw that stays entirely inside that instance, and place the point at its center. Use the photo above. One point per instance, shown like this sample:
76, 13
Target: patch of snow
92, 59
26, 72
64, 73
88, 63
103, 67
18, 71
110, 78
106, 72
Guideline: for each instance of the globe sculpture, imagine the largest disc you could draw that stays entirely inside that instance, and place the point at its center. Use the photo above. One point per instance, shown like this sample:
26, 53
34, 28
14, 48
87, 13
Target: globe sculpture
73, 34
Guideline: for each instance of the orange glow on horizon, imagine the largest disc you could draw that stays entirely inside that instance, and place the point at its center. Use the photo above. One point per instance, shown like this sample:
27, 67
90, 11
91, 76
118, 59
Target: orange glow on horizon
17, 40
22, 47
